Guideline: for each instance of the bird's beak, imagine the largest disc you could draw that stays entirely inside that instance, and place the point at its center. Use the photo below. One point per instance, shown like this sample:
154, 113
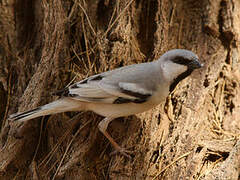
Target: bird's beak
195, 64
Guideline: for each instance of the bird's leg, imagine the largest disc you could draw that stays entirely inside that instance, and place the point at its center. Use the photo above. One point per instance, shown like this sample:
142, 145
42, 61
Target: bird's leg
103, 128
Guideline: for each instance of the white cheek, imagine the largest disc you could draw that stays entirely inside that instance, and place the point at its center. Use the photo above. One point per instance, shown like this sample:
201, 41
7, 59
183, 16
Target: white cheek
172, 70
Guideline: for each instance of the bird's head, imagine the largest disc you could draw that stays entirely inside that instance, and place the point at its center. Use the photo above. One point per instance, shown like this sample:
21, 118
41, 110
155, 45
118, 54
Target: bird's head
177, 64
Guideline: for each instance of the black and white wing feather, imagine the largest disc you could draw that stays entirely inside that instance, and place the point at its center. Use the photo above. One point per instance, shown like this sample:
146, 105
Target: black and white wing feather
112, 87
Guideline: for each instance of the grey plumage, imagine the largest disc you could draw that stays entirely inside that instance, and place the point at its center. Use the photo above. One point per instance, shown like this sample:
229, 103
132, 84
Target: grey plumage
123, 91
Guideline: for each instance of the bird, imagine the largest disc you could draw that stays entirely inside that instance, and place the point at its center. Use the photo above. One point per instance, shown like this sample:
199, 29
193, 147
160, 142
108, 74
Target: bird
121, 92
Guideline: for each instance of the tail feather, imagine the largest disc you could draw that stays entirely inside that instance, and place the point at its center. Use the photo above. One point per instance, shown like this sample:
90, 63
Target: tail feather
61, 105
22, 115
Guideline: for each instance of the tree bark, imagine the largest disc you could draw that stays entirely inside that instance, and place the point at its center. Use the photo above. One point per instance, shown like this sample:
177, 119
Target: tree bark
46, 45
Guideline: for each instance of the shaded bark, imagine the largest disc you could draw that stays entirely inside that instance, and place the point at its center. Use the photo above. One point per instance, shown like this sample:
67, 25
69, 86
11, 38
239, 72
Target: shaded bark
47, 44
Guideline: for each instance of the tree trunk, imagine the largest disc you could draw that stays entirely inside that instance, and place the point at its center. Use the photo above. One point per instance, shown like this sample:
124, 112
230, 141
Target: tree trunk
46, 45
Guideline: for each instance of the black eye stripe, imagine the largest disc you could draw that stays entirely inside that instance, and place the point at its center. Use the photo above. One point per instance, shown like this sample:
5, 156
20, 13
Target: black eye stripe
181, 60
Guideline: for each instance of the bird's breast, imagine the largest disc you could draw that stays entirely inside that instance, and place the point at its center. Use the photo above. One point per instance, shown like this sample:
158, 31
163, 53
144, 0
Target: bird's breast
160, 94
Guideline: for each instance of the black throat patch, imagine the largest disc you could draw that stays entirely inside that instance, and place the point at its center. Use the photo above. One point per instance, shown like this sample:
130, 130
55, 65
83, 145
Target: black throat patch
179, 78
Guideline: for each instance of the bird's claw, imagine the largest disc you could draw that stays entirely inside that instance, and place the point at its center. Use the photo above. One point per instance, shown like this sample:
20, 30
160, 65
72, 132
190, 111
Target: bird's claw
123, 151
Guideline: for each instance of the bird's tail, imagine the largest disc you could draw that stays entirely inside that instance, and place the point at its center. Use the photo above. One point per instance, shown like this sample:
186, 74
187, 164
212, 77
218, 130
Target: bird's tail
58, 106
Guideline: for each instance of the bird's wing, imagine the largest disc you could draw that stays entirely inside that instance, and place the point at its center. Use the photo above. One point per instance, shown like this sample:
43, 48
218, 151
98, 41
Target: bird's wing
112, 87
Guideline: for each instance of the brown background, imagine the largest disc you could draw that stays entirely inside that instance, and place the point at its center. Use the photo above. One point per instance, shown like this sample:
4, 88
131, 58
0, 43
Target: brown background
45, 45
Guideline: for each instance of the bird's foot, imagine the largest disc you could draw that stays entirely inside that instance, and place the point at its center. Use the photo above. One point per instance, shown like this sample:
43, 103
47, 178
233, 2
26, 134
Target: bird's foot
123, 151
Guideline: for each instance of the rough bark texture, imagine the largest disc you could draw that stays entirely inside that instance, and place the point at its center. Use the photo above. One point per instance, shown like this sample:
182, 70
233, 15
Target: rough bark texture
45, 45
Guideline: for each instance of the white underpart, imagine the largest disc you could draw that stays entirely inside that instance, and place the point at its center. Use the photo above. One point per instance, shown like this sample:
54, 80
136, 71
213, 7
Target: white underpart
172, 70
